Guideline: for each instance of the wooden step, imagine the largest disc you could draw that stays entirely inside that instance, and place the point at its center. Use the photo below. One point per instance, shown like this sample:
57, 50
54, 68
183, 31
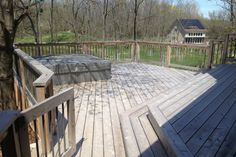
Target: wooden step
177, 116
132, 121
139, 136
136, 127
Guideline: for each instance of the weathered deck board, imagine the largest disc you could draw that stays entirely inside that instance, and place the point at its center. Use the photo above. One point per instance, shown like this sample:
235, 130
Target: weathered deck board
202, 100
139, 136
98, 123
208, 127
199, 118
189, 130
98, 104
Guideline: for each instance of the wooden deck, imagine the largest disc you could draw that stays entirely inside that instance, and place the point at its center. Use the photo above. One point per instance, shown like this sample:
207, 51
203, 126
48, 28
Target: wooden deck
99, 104
199, 118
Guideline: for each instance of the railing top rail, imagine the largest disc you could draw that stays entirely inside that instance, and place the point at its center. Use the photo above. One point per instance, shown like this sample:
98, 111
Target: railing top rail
47, 105
45, 73
175, 44
231, 34
117, 42
74, 43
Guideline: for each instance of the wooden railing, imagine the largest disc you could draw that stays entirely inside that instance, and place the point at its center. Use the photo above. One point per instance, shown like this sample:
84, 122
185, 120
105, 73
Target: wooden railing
46, 123
30, 133
47, 139
229, 50
165, 54
115, 51
33, 81
186, 56
190, 56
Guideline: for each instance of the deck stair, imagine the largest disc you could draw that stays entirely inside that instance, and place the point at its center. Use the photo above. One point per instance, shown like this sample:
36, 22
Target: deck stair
174, 122
139, 136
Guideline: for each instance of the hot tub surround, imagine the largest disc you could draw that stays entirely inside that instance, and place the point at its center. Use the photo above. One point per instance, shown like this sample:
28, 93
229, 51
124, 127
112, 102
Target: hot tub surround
76, 68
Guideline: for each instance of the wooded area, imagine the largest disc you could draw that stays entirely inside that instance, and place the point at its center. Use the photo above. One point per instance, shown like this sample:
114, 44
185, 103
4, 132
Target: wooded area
120, 19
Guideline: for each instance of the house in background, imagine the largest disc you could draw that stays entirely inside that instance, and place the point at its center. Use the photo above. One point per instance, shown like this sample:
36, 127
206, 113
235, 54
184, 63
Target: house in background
187, 31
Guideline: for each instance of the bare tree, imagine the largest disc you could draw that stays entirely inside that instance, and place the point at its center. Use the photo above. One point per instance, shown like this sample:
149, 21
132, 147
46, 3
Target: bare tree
229, 6
11, 15
52, 20
137, 4
105, 14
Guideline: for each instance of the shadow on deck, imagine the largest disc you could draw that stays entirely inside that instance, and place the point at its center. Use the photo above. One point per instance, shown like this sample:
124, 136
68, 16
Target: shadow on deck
198, 119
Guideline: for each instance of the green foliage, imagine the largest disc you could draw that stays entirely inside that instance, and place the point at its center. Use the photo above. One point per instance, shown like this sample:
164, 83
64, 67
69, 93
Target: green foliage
59, 37
25, 39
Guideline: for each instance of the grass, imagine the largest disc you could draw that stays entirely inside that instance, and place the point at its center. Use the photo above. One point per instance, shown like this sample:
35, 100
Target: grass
60, 37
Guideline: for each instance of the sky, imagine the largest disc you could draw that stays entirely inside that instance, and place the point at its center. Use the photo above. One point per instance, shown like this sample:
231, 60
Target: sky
207, 6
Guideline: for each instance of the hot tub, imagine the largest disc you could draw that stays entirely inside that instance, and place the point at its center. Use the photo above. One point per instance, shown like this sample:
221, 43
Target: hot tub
76, 68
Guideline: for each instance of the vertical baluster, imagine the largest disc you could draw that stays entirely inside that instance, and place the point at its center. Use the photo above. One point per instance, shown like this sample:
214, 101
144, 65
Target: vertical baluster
63, 127
36, 137
58, 132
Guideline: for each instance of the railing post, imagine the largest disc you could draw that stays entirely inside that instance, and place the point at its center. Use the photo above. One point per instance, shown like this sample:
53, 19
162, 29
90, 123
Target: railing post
135, 52
225, 49
84, 49
43, 125
210, 53
47, 126
168, 56
71, 122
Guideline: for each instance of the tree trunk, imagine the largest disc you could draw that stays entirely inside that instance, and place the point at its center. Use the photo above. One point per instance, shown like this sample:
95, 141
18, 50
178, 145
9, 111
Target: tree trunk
7, 99
232, 12
135, 18
52, 21
105, 14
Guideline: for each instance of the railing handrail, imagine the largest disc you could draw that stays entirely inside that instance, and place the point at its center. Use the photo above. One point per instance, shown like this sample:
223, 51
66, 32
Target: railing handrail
47, 105
45, 73
174, 44
76, 43
117, 42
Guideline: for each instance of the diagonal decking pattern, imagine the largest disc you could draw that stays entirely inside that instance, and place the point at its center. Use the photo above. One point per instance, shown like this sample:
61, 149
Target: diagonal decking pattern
98, 104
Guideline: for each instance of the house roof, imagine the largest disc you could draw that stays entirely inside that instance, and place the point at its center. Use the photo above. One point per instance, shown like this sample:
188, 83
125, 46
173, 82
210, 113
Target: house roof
191, 24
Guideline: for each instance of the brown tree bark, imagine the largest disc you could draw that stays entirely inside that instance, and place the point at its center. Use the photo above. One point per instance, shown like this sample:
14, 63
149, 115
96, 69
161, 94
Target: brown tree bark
7, 33
105, 14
